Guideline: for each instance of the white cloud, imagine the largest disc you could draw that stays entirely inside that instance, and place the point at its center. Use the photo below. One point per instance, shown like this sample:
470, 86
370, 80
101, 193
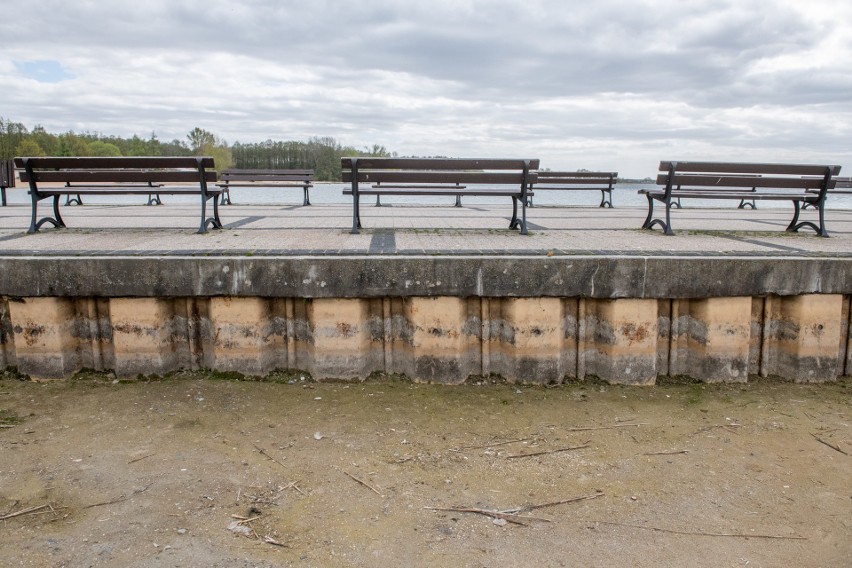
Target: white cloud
606, 84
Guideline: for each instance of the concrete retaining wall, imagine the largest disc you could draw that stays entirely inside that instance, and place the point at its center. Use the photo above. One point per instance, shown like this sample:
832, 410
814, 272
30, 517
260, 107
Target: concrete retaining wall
445, 339
535, 319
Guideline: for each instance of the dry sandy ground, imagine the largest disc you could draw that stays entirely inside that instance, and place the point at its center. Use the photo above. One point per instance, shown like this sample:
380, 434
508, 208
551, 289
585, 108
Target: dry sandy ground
172, 472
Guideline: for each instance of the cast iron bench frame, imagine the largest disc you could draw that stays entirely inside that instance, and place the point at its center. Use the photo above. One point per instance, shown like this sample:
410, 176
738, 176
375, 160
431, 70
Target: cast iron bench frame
804, 184
119, 176
7, 178
265, 178
579, 181
441, 176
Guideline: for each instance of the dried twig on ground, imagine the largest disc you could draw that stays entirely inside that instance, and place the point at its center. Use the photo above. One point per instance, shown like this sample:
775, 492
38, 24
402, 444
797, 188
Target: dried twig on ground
7, 425
494, 445
364, 483
28, 511
139, 459
829, 444
691, 533
671, 453
553, 504
508, 517
113, 502
269, 540
294, 485
547, 452
263, 453
588, 428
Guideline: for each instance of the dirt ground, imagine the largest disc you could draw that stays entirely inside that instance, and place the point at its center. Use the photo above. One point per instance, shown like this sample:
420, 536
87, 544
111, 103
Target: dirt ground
190, 471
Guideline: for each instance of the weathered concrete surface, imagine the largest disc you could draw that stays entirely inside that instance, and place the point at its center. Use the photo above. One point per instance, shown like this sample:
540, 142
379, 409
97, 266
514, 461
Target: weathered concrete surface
604, 277
435, 339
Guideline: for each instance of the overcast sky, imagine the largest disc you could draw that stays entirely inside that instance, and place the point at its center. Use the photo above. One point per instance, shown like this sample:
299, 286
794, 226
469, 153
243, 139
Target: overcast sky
596, 84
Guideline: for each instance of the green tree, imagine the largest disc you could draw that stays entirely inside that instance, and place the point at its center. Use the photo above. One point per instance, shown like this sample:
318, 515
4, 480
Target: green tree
200, 140
101, 148
29, 148
11, 135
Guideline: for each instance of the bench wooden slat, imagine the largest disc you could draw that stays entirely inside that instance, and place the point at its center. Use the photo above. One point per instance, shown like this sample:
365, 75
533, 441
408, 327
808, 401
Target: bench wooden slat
743, 181
752, 168
454, 164
117, 176
114, 163
439, 177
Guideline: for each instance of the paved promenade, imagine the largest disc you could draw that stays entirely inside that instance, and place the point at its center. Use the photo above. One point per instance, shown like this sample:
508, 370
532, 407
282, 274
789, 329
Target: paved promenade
412, 230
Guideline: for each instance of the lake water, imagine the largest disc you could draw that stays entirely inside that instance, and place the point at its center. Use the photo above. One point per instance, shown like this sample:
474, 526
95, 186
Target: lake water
625, 194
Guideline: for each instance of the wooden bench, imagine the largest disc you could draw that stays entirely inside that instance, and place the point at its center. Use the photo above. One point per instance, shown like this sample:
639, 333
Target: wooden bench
441, 176
578, 181
7, 178
378, 187
265, 178
797, 183
118, 176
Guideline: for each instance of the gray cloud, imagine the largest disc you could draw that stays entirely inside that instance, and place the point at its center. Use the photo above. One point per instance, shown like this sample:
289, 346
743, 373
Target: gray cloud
606, 84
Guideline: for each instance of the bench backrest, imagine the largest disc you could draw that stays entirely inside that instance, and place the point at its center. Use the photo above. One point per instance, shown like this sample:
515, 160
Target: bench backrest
7, 173
739, 176
464, 171
843, 183
132, 169
260, 176
591, 179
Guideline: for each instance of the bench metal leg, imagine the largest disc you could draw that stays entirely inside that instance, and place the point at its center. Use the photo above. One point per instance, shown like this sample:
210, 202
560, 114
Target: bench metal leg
743, 204
212, 221
307, 200
795, 225
524, 217
458, 201
378, 200
606, 198
73, 200
226, 197
650, 221
56, 220
356, 214
154, 199
3, 195
513, 223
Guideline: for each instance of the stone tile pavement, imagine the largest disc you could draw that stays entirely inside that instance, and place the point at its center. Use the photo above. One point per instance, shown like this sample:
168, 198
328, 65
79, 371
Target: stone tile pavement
476, 229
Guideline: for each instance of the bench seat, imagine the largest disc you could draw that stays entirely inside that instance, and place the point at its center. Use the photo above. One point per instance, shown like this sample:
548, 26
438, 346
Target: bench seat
119, 176
440, 177
801, 184
578, 181
283, 179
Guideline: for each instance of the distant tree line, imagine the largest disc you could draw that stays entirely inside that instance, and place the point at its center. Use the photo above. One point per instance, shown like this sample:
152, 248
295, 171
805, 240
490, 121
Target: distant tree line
321, 154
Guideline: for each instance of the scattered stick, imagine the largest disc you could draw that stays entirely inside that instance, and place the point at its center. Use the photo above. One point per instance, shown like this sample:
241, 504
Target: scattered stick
29, 511
294, 485
672, 453
588, 428
269, 540
365, 484
553, 504
690, 533
829, 444
244, 520
507, 442
7, 425
140, 459
113, 502
263, 453
547, 452
508, 517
